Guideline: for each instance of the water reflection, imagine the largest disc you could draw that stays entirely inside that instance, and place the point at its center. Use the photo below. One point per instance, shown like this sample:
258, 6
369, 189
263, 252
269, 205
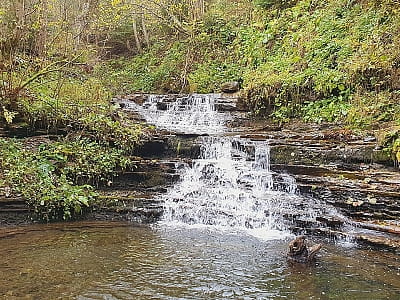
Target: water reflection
171, 263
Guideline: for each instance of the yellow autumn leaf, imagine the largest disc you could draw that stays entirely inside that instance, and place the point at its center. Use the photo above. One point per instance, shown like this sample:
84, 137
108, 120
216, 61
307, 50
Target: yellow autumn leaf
115, 2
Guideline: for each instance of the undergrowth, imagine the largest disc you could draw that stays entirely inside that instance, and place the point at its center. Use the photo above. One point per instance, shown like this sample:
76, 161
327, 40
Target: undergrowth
79, 105
57, 180
33, 176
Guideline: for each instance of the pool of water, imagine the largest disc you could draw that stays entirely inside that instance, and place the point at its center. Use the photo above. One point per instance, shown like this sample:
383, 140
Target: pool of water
120, 261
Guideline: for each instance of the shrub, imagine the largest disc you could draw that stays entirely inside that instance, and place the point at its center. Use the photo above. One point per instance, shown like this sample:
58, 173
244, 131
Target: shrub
327, 110
80, 105
83, 161
51, 196
391, 143
209, 76
368, 108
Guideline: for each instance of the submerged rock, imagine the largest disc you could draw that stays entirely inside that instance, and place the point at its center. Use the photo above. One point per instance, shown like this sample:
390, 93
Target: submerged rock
300, 253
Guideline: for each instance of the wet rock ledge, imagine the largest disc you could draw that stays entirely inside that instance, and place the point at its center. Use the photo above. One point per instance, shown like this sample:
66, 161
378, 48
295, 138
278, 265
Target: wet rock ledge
335, 166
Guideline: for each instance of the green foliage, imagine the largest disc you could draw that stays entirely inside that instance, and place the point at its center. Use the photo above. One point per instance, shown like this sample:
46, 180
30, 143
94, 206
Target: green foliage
216, 28
391, 143
80, 104
103, 128
209, 76
270, 3
327, 110
306, 54
54, 178
128, 76
370, 108
250, 46
51, 196
282, 114
81, 160
157, 69
396, 151
53, 103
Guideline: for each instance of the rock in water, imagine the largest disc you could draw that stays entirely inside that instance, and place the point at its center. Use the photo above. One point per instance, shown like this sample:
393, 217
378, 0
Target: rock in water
300, 253
230, 87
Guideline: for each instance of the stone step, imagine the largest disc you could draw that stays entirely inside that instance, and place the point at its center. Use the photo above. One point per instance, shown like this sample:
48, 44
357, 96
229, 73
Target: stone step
11, 200
14, 210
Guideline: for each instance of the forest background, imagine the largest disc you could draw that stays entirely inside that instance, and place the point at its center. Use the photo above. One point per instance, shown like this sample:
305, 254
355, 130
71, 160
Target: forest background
62, 61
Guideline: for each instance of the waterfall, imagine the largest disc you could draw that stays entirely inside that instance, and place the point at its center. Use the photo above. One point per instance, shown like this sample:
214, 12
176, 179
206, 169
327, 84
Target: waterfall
230, 186
194, 113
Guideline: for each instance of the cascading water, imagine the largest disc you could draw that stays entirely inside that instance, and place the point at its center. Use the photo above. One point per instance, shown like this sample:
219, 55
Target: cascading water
230, 186
188, 114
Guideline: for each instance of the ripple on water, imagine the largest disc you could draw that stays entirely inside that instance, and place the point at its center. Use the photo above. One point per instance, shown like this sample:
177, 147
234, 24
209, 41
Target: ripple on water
182, 263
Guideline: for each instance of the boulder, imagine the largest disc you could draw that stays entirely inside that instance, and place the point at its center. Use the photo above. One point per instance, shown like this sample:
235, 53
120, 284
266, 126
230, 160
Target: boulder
230, 87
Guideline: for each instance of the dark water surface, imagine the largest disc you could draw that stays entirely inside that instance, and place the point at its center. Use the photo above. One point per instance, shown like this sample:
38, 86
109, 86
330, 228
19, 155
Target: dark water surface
125, 262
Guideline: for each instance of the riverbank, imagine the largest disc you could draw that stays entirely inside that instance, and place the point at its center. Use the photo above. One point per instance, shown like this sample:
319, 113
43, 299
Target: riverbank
333, 166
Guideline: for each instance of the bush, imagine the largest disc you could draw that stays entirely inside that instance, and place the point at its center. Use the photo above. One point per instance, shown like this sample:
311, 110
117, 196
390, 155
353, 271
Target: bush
326, 110
369, 108
35, 177
209, 76
121, 133
83, 161
80, 105
391, 143
270, 3
157, 69
54, 178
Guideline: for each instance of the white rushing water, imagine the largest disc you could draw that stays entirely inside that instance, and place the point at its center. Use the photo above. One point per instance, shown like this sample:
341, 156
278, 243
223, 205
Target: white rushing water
230, 186
194, 113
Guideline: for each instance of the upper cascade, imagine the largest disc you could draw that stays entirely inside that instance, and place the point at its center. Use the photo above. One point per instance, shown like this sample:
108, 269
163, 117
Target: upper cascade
192, 114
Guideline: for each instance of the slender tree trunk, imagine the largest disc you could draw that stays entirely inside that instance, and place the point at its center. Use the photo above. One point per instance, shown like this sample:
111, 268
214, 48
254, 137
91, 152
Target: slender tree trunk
145, 32
19, 10
198, 9
136, 36
41, 40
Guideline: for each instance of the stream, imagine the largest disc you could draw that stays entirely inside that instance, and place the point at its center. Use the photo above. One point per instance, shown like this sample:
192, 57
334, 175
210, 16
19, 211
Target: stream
77, 261
223, 235
230, 185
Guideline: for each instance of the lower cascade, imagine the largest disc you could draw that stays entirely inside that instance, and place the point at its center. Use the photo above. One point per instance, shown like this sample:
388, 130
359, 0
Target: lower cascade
231, 186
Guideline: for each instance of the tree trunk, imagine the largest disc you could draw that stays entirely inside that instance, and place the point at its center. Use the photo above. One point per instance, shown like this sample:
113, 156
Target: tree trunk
41, 40
198, 9
145, 32
136, 36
